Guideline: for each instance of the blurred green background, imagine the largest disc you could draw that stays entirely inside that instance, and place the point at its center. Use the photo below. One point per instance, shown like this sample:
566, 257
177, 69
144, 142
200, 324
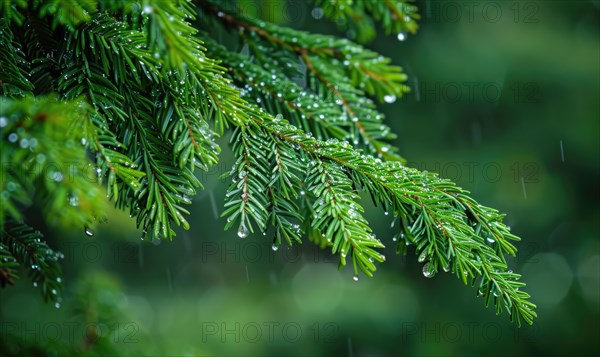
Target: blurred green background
505, 101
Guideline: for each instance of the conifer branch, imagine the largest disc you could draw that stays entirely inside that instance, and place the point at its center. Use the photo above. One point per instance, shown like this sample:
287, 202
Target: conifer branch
20, 245
13, 77
323, 57
395, 16
450, 230
43, 160
146, 92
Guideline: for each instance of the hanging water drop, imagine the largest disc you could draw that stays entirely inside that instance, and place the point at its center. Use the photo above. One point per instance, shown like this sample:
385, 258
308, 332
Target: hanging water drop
147, 9
275, 246
88, 231
73, 200
426, 272
401, 36
491, 240
355, 277
389, 98
243, 231
317, 13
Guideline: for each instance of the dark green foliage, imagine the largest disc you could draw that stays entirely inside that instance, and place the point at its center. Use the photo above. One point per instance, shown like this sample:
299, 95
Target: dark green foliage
99, 307
145, 90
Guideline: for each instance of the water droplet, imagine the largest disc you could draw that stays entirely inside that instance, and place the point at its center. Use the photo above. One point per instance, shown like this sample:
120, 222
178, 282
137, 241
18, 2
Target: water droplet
243, 231
491, 240
355, 277
88, 231
57, 176
401, 36
58, 280
73, 201
35, 284
57, 305
426, 272
3, 122
446, 268
317, 13
275, 247
389, 98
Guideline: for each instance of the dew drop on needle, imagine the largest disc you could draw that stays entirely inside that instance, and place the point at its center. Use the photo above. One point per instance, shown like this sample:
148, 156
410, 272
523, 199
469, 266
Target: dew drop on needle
243, 231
